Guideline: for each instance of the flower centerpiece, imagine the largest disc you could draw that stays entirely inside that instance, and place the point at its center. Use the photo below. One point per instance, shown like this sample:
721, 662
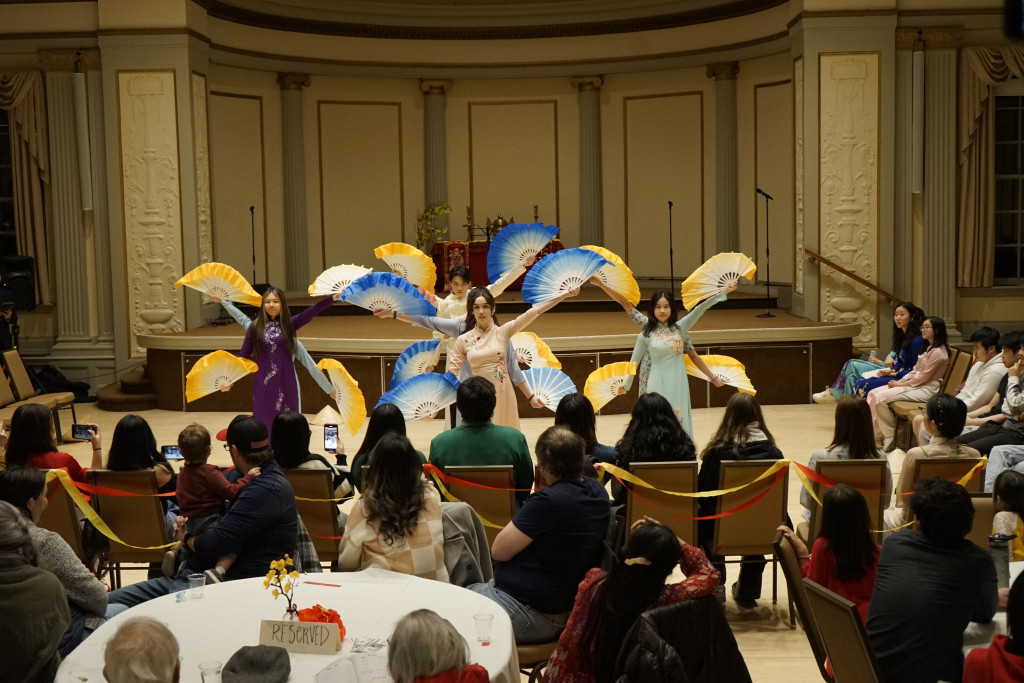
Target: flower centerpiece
281, 580
426, 232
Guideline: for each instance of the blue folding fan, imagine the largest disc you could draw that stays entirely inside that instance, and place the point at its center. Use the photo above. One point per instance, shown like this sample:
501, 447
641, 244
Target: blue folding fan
515, 244
422, 395
559, 272
415, 360
550, 385
385, 290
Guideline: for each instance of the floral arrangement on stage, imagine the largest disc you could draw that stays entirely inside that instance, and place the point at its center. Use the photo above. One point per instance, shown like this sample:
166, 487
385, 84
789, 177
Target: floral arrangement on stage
426, 232
282, 580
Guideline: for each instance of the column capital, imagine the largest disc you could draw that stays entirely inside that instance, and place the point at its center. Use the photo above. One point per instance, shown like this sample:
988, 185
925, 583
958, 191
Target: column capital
435, 87
723, 71
588, 83
289, 80
87, 59
934, 37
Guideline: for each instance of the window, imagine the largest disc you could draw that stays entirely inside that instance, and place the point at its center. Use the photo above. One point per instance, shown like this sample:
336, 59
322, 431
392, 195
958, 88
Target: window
8, 244
1009, 162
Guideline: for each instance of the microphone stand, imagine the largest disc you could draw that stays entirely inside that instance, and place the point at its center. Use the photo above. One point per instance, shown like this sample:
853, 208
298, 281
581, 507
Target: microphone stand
671, 259
252, 227
768, 259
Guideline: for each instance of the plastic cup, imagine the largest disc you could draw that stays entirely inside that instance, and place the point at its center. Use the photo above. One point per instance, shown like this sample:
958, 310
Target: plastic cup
196, 588
210, 671
483, 623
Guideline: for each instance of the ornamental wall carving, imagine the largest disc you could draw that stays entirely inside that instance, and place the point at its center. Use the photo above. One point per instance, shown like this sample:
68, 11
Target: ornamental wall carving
848, 169
201, 136
152, 203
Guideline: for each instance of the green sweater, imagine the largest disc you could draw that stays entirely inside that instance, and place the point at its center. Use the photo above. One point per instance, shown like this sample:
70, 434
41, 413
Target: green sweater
485, 443
33, 616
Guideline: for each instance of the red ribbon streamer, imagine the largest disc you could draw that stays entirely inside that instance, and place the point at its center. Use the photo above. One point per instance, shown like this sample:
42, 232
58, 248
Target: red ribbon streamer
740, 508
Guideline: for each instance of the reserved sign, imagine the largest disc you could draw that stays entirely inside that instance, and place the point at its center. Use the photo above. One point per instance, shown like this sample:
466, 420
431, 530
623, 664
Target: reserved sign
301, 637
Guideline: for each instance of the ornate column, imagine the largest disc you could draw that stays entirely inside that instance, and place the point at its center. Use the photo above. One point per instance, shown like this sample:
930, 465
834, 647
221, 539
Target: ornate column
294, 173
727, 227
903, 198
435, 146
591, 189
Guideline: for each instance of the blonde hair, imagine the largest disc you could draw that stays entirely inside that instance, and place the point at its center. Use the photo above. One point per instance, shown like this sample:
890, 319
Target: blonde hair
142, 651
425, 644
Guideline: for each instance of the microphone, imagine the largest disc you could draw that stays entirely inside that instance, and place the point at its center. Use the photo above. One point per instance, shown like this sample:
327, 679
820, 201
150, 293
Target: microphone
670, 205
764, 194
253, 208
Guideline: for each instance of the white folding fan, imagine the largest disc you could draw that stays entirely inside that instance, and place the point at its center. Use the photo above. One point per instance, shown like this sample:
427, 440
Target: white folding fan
213, 371
533, 351
616, 275
221, 280
731, 370
714, 274
549, 385
413, 264
559, 272
515, 244
423, 395
603, 384
389, 291
336, 278
416, 359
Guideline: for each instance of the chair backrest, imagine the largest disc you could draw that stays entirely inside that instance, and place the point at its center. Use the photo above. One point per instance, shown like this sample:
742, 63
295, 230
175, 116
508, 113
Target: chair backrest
867, 476
750, 531
20, 380
984, 513
846, 641
794, 581
956, 372
138, 520
320, 515
950, 469
60, 516
670, 510
494, 506
6, 394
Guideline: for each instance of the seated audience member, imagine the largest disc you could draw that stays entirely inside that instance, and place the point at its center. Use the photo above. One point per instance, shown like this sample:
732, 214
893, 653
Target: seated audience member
946, 417
396, 524
1010, 430
1003, 660
852, 439
607, 605
132, 449
654, 434
142, 651
742, 435
845, 556
919, 384
25, 489
385, 419
551, 542
931, 583
1008, 495
982, 382
32, 442
289, 439
478, 441
426, 648
260, 526
576, 412
33, 606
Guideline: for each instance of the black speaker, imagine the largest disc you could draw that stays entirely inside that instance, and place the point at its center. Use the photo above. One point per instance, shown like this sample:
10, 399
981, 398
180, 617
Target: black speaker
17, 276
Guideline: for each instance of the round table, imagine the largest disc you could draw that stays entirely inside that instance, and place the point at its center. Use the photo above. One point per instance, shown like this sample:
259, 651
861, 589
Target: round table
370, 603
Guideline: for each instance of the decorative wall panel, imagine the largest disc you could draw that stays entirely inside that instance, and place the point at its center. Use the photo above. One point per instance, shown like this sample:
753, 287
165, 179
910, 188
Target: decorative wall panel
150, 170
798, 176
202, 139
773, 147
849, 121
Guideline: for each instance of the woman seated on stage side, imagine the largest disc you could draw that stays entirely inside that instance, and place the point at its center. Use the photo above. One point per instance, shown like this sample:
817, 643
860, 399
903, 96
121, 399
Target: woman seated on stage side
852, 439
399, 512
653, 434
906, 345
385, 419
32, 442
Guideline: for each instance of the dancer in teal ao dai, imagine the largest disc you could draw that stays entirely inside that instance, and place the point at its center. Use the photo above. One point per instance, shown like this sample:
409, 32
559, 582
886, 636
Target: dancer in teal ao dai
666, 340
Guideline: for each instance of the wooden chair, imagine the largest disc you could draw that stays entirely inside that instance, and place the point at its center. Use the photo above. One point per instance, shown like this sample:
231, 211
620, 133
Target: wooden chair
497, 507
984, 513
950, 469
668, 476
787, 559
61, 517
321, 515
867, 476
24, 390
956, 370
8, 403
750, 531
846, 641
138, 520
533, 659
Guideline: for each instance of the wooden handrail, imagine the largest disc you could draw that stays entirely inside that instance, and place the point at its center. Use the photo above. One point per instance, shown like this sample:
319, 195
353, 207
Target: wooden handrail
853, 276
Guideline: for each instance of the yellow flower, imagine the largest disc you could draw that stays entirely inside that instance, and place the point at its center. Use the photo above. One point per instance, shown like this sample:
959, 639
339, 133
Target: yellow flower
270, 574
275, 593
294, 574
287, 587
288, 560
266, 584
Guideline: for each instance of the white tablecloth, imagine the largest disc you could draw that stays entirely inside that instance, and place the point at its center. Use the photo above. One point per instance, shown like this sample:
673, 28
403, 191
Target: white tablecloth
981, 635
370, 604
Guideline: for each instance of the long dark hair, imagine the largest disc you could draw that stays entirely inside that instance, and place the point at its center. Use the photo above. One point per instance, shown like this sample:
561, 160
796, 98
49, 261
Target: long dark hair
901, 339
628, 590
846, 525
385, 419
939, 336
853, 428
20, 484
741, 410
31, 434
259, 326
393, 487
133, 446
471, 298
652, 322
948, 413
654, 434
576, 412
289, 439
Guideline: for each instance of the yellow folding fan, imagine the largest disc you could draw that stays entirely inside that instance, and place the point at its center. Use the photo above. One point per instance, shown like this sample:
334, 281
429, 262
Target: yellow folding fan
219, 279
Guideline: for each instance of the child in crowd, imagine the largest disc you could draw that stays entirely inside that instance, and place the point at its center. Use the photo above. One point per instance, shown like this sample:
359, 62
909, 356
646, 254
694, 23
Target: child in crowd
203, 489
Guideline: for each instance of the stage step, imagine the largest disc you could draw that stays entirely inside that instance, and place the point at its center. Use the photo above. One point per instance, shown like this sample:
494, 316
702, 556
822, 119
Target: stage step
134, 391
136, 382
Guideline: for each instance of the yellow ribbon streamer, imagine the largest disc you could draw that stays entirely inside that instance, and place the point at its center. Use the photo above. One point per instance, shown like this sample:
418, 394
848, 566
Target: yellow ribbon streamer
447, 494
626, 476
91, 515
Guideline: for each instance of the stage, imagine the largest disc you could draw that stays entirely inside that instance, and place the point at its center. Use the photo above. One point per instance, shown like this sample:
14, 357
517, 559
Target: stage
787, 357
